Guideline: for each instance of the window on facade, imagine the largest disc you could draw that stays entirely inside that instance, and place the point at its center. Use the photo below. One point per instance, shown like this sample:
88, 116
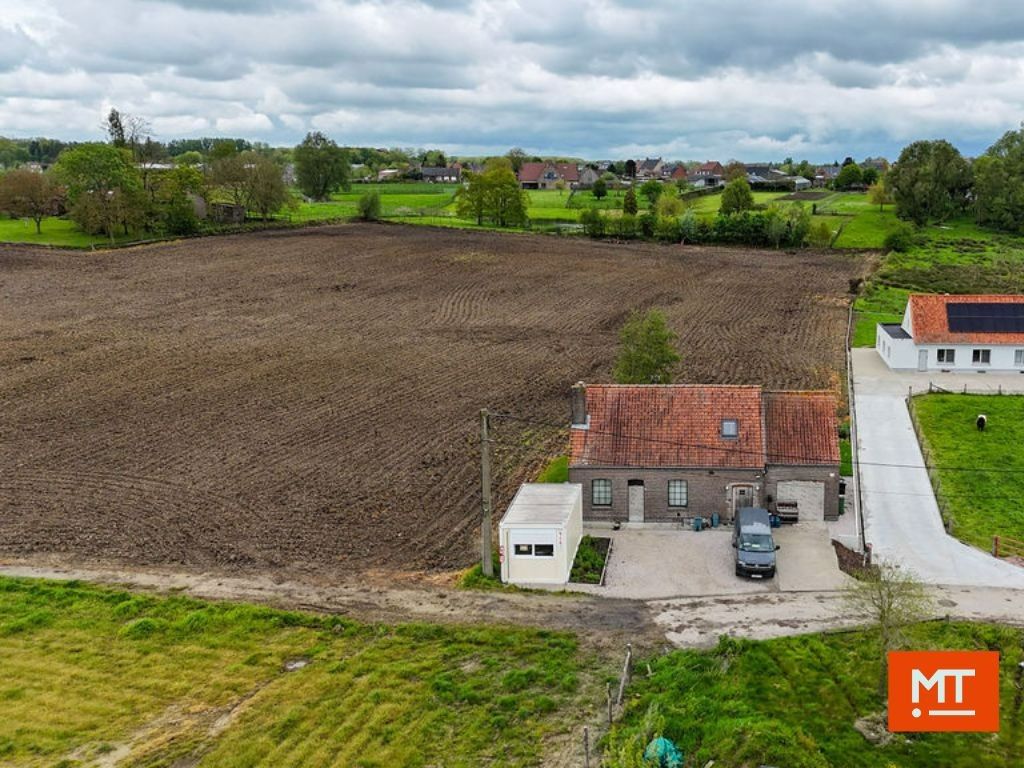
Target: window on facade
1018, 357
544, 550
601, 493
981, 356
730, 428
524, 550
947, 356
677, 493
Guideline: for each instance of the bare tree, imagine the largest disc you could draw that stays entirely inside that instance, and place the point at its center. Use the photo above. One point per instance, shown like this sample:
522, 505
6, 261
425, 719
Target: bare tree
892, 599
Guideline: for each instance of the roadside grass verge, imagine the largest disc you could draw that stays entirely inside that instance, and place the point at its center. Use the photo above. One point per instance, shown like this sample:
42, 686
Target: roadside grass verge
90, 670
977, 473
794, 701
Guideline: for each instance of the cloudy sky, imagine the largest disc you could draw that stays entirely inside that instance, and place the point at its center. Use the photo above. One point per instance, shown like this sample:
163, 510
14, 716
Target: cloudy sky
594, 78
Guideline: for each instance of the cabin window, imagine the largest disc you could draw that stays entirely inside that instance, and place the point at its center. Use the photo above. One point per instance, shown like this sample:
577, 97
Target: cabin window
601, 493
947, 356
1018, 357
730, 428
677, 493
523, 550
981, 356
544, 550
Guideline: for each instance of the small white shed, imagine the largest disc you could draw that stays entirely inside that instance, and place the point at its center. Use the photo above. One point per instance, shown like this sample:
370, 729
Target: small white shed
540, 533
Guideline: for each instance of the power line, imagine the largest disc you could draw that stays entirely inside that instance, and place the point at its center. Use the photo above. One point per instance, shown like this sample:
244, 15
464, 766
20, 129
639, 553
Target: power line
738, 450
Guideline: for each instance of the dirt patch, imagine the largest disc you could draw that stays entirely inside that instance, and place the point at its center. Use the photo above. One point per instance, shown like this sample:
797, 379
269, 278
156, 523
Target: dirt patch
305, 402
852, 562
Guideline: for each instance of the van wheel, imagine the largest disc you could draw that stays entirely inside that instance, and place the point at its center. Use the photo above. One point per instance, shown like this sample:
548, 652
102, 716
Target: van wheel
738, 571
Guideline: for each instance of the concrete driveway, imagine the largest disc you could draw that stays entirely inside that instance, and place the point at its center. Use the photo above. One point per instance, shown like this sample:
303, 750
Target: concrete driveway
650, 564
901, 517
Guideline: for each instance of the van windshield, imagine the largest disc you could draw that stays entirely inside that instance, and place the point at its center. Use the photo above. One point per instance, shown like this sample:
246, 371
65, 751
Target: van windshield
757, 542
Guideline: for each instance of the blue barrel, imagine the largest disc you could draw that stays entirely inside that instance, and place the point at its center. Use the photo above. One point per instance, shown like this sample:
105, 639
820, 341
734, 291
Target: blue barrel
715, 520
775, 520
698, 523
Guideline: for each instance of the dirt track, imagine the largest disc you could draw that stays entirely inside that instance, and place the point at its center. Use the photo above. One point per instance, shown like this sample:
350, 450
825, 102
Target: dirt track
306, 402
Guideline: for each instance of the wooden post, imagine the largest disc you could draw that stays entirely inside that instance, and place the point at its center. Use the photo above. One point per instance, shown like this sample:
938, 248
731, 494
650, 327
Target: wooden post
995, 546
586, 747
608, 692
486, 564
625, 674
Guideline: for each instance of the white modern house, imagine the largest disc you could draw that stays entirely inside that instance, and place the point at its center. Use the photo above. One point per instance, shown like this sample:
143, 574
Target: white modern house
939, 332
540, 533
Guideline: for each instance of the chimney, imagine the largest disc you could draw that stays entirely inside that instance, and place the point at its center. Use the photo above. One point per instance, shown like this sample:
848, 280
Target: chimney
579, 404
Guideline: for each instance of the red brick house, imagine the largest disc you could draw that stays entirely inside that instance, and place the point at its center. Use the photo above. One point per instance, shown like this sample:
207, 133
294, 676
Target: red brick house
547, 175
668, 453
710, 168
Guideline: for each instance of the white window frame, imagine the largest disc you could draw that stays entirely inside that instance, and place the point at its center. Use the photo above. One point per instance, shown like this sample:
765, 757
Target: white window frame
686, 494
593, 496
1018, 357
533, 539
978, 354
946, 355
736, 429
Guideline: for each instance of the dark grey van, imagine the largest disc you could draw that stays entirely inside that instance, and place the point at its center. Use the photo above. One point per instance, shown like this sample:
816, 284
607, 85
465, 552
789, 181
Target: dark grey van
755, 547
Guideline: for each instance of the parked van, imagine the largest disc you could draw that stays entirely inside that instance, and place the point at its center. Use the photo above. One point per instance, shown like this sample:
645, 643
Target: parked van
753, 542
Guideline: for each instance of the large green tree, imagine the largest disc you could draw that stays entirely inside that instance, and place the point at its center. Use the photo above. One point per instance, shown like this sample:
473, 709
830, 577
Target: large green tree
321, 166
929, 182
647, 354
493, 196
737, 197
29, 195
849, 176
104, 188
999, 183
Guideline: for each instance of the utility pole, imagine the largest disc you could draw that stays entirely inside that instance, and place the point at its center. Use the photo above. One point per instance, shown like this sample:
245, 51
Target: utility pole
486, 565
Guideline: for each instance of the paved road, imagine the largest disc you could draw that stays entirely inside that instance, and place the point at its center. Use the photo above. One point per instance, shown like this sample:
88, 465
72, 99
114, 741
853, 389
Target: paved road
901, 516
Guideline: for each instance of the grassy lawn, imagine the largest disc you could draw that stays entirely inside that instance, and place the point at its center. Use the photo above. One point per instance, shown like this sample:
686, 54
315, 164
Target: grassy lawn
56, 231
87, 671
845, 457
878, 304
980, 486
555, 472
793, 702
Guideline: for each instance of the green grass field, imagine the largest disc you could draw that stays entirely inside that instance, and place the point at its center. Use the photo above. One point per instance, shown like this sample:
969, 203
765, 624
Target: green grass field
978, 473
793, 702
88, 671
56, 231
877, 304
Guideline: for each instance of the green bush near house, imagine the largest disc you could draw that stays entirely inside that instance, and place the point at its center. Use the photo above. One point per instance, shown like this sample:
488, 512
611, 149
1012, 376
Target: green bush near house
590, 559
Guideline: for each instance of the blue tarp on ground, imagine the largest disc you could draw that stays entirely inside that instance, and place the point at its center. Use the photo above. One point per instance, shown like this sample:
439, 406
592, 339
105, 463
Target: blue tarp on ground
664, 753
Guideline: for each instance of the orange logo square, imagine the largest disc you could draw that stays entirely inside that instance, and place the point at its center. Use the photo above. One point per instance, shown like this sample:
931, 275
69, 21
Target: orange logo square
943, 691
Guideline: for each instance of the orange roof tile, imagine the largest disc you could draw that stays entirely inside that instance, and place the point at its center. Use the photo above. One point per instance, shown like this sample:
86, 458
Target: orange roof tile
930, 322
801, 428
681, 426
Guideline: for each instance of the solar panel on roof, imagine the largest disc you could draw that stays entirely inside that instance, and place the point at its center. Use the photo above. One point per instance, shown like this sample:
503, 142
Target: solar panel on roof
985, 318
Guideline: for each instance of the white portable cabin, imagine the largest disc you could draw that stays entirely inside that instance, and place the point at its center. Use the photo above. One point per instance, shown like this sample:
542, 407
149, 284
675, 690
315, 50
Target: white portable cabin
540, 533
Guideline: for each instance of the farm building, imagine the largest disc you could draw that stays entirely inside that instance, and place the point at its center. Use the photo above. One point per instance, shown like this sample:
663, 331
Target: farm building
670, 453
547, 175
540, 533
956, 333
450, 175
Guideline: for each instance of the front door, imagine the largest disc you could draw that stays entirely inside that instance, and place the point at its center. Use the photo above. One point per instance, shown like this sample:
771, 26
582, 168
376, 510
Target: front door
922, 360
636, 501
742, 496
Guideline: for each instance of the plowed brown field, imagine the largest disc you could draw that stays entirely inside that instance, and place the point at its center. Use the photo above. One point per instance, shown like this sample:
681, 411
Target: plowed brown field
307, 401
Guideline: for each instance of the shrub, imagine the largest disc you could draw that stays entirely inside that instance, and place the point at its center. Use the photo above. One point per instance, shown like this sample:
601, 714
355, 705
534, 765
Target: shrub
820, 235
624, 226
737, 197
593, 223
690, 227
369, 206
901, 239
668, 230
648, 221
669, 206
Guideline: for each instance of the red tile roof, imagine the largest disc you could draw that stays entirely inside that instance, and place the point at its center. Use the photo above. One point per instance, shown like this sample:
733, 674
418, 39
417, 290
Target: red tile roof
680, 426
531, 172
801, 428
930, 322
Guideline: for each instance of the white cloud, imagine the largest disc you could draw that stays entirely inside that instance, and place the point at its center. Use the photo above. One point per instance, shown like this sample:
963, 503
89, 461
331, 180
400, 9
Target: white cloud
598, 78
